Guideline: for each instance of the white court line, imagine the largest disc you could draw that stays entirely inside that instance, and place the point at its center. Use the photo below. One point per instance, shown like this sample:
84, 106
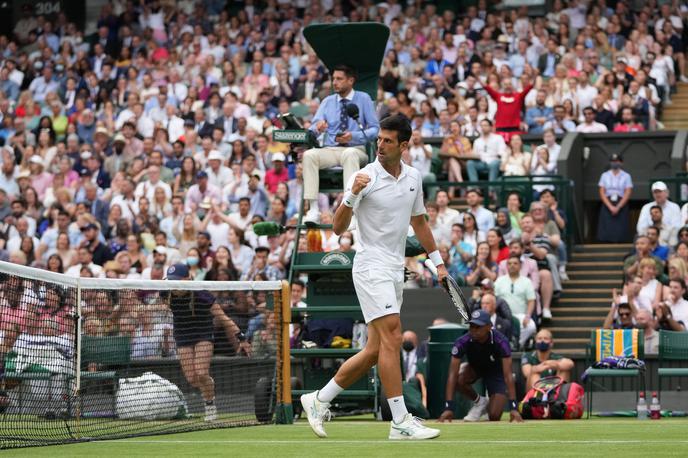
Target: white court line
440, 441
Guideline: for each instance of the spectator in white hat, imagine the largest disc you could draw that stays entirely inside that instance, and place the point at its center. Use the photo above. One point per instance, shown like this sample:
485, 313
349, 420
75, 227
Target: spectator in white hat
40, 180
218, 173
670, 210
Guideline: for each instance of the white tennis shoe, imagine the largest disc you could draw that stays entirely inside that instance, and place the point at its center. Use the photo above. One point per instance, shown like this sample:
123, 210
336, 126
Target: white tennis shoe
411, 428
478, 410
316, 412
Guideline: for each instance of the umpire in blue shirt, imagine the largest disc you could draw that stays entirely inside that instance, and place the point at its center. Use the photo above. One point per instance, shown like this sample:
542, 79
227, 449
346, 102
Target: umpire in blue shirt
488, 357
344, 142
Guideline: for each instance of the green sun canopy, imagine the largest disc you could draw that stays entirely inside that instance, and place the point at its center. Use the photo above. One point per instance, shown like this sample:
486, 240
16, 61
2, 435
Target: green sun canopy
360, 45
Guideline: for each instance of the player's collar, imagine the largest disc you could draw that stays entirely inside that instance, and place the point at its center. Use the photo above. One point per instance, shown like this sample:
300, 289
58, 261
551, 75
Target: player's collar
385, 174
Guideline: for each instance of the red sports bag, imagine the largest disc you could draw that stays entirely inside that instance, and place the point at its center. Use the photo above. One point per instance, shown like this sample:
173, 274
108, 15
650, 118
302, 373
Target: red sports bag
555, 400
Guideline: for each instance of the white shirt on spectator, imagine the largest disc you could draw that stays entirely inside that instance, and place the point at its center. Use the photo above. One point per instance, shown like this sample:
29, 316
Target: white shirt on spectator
218, 234
585, 95
592, 128
222, 178
146, 188
647, 295
448, 217
75, 270
554, 151
671, 216
242, 257
679, 310
14, 243
490, 148
129, 206
30, 231
237, 220
419, 158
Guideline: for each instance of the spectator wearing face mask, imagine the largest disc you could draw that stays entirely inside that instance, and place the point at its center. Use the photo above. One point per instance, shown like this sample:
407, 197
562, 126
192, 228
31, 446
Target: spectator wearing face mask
543, 362
615, 189
413, 374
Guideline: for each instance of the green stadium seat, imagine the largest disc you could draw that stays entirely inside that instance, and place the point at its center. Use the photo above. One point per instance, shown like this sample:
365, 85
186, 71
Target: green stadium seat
673, 346
114, 352
616, 346
30, 373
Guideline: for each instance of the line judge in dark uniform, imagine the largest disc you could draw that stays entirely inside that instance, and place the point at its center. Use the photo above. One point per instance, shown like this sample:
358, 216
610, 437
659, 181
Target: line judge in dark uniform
615, 189
488, 357
343, 142
193, 314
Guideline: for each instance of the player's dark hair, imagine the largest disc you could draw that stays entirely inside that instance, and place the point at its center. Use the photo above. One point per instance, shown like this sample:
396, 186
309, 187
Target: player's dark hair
400, 124
349, 71
299, 283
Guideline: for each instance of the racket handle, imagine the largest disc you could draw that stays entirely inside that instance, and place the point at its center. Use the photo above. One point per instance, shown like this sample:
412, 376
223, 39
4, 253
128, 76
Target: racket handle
431, 266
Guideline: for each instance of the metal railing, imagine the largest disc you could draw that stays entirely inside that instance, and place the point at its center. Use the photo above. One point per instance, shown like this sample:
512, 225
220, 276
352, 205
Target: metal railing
563, 189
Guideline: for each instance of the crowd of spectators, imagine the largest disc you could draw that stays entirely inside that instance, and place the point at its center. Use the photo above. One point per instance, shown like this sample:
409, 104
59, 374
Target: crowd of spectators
148, 142
656, 271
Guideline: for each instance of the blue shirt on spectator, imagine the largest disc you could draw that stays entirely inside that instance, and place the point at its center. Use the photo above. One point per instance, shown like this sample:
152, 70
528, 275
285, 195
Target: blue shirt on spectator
330, 111
537, 112
662, 252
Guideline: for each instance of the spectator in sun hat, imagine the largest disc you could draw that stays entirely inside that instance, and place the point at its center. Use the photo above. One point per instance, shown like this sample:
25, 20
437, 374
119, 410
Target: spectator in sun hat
40, 179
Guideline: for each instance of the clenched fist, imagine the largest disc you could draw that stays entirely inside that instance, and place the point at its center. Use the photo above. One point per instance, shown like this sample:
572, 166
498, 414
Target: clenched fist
360, 182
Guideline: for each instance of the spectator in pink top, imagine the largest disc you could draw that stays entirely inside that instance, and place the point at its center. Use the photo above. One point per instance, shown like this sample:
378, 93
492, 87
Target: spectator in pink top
278, 174
40, 180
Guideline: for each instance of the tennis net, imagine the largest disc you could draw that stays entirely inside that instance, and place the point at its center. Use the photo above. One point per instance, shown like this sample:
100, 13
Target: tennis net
90, 358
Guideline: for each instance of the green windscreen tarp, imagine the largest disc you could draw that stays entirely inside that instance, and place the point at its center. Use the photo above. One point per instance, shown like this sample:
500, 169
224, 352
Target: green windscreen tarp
360, 45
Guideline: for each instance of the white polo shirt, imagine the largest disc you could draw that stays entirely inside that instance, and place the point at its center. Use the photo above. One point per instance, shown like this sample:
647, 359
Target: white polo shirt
383, 213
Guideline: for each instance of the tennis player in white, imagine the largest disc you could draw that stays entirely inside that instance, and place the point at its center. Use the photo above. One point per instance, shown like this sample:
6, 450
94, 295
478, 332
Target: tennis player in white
386, 196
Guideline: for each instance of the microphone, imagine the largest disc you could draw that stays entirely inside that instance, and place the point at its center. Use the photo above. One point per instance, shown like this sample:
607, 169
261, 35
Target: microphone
353, 113
268, 228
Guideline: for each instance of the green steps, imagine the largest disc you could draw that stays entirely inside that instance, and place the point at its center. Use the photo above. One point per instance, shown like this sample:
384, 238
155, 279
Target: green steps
593, 270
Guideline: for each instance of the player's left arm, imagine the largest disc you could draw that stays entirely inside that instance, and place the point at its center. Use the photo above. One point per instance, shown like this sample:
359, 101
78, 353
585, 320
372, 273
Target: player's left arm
424, 234
511, 390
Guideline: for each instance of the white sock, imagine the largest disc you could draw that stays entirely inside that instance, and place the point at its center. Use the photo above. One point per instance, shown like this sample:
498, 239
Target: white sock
329, 392
398, 408
313, 205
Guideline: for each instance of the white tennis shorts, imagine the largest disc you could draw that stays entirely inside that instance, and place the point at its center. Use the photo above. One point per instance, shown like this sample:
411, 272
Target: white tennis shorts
380, 292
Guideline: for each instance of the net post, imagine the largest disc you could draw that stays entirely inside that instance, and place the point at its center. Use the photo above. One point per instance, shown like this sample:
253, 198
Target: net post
284, 413
77, 361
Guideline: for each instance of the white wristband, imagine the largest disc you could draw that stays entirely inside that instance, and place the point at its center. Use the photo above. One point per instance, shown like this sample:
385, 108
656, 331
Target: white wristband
436, 258
350, 199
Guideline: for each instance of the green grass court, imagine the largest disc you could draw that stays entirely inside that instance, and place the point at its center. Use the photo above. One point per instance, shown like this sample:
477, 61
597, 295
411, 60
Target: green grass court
360, 437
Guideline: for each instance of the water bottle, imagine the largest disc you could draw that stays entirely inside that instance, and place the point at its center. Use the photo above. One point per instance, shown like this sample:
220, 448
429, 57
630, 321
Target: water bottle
655, 411
642, 407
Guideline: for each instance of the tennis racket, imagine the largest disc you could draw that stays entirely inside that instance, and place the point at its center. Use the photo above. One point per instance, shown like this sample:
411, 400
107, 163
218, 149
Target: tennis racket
452, 288
546, 384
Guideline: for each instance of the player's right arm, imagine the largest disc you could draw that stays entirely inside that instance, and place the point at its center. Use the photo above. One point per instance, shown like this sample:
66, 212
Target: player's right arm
342, 217
450, 389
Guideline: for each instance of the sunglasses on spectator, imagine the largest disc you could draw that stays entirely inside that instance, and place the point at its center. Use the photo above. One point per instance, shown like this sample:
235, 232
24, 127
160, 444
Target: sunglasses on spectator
624, 314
